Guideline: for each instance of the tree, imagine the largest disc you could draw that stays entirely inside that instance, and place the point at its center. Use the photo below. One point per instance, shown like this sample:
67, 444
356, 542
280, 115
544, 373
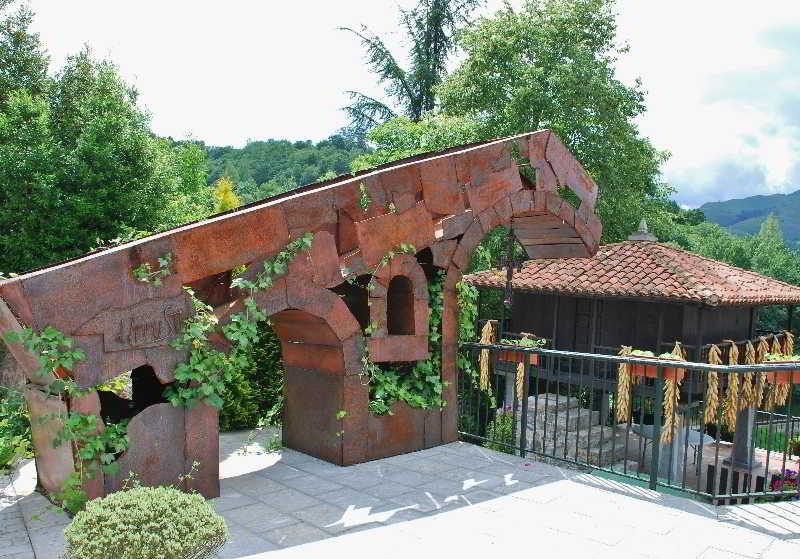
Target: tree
552, 65
79, 167
225, 197
23, 62
430, 30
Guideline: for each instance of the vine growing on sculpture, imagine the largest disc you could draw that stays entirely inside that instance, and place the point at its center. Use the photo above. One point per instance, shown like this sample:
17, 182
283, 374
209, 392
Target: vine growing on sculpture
95, 446
204, 376
146, 274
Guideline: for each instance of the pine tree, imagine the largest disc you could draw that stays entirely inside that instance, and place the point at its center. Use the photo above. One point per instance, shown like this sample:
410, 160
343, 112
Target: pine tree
430, 29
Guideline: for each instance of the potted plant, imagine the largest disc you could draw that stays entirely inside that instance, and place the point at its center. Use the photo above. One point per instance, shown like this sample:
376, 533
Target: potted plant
651, 371
785, 376
517, 356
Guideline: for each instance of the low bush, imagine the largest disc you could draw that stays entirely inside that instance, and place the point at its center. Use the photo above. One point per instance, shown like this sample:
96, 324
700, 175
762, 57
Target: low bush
146, 523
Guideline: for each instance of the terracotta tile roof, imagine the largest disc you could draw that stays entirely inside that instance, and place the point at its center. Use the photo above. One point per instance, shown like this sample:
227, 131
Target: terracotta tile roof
645, 269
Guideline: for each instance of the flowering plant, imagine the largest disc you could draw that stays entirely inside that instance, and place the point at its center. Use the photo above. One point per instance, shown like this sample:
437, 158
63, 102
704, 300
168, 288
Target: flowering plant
786, 481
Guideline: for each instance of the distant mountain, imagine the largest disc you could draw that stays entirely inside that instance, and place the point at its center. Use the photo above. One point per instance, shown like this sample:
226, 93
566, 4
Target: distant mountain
744, 216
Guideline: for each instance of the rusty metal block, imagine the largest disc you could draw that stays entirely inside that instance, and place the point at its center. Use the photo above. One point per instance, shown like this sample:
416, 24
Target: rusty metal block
156, 451
310, 424
324, 260
443, 252
398, 348
440, 187
402, 431
225, 242
54, 464
355, 402
492, 188
201, 447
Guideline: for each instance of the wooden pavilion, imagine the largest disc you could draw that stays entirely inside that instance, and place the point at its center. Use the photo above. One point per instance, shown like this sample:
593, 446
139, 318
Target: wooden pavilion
640, 293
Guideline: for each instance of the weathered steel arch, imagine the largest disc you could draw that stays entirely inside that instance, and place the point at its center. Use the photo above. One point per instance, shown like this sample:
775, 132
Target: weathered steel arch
445, 202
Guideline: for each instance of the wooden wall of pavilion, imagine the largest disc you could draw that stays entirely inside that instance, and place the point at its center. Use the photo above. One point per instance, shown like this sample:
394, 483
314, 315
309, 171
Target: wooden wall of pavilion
603, 325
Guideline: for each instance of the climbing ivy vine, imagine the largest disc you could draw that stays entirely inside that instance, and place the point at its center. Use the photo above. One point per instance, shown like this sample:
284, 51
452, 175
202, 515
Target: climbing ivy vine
95, 450
146, 274
208, 370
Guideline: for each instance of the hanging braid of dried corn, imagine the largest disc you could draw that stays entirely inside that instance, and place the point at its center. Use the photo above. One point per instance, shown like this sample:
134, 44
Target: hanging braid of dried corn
624, 387
783, 390
732, 398
671, 399
520, 376
488, 336
771, 397
712, 391
776, 345
756, 384
747, 392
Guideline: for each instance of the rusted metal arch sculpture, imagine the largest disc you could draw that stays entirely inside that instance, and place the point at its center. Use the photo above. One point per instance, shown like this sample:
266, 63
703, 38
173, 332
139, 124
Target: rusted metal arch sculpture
444, 202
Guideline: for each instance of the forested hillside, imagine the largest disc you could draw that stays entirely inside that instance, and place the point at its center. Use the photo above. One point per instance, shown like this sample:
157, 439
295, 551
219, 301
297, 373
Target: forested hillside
744, 216
264, 168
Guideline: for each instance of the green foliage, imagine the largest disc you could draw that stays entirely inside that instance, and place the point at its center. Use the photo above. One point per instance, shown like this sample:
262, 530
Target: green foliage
401, 137
430, 28
23, 62
363, 197
209, 372
145, 273
263, 169
53, 349
204, 376
552, 65
79, 163
144, 523
93, 449
15, 428
500, 433
419, 385
225, 197
255, 392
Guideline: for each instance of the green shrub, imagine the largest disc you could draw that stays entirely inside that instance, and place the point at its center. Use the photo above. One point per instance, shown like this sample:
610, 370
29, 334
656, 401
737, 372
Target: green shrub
256, 390
146, 523
500, 433
15, 428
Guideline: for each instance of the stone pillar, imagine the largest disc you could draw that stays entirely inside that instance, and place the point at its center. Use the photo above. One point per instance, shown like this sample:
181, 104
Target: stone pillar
742, 441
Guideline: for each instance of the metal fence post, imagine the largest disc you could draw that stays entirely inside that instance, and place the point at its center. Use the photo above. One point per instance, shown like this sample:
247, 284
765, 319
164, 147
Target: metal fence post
655, 445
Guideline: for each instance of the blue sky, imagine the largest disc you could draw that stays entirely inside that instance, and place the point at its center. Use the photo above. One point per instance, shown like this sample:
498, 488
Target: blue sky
723, 77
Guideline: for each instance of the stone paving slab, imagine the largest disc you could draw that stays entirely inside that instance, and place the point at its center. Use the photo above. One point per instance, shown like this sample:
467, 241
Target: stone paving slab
455, 499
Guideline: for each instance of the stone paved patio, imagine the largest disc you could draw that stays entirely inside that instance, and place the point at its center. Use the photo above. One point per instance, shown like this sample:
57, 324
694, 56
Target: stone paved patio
458, 499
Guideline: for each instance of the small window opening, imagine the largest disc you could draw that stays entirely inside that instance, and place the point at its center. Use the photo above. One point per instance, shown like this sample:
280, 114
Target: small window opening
400, 306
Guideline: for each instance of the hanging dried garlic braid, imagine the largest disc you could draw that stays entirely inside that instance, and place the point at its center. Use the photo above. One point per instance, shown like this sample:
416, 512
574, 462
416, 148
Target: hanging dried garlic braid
732, 398
712, 391
783, 390
671, 400
488, 336
624, 385
761, 379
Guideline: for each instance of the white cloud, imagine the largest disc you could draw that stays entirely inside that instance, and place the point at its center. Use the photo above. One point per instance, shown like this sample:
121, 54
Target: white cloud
713, 79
